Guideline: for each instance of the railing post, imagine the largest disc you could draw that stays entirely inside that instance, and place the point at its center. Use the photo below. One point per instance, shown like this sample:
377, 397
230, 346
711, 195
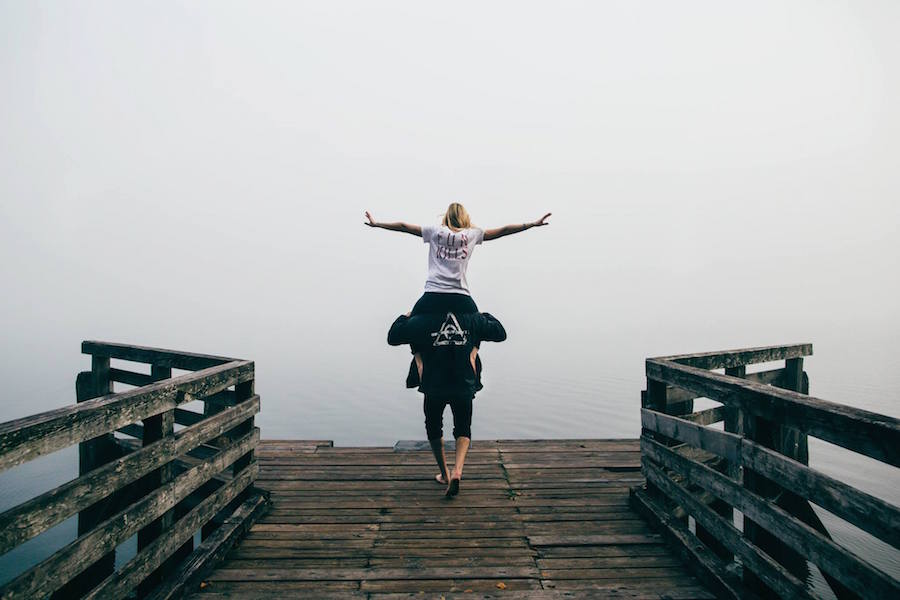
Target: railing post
734, 423
792, 444
655, 398
156, 428
242, 391
92, 454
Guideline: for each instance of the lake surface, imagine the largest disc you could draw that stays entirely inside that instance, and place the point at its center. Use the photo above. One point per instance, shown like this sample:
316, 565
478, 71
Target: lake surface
532, 390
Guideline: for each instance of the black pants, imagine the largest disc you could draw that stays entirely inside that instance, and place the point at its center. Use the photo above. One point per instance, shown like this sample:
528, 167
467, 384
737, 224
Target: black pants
434, 416
438, 302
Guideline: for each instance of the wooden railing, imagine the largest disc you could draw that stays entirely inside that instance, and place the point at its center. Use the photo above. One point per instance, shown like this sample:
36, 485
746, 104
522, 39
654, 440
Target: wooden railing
698, 476
162, 484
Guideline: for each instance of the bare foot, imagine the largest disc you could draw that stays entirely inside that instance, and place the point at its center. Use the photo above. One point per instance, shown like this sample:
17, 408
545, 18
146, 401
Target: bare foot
440, 479
453, 488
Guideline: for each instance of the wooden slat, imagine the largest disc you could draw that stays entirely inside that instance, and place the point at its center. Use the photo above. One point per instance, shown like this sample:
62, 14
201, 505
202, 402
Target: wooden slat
727, 445
121, 583
212, 550
134, 430
773, 377
130, 377
707, 417
852, 571
773, 574
375, 519
859, 430
189, 361
25, 439
740, 357
708, 567
187, 417
867, 512
59, 568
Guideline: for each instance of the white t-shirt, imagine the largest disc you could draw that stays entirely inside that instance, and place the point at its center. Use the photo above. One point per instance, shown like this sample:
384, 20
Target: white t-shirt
448, 256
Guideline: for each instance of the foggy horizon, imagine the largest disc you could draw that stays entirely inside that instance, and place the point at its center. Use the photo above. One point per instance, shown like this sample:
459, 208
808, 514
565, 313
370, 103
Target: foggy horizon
194, 176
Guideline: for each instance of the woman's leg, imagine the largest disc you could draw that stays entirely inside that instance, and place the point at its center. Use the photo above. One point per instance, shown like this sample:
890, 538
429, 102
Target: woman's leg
434, 429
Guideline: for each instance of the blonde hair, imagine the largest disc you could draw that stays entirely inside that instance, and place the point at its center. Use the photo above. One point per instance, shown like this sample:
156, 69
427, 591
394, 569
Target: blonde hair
457, 217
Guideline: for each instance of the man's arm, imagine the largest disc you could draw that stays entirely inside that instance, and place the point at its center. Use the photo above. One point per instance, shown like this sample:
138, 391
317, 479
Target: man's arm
398, 226
490, 329
499, 232
398, 334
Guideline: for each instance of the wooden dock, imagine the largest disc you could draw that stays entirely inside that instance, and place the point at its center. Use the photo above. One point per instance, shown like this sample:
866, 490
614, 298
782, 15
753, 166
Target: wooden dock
169, 454
535, 519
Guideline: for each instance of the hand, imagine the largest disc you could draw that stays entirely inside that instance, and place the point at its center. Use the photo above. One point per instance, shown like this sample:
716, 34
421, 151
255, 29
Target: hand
371, 222
540, 222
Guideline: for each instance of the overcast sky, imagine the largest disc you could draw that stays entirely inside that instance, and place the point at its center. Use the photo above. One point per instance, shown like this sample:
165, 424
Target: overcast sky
194, 175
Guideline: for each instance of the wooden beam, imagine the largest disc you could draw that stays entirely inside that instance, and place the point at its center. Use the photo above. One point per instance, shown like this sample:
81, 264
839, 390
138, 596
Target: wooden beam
27, 438
153, 555
773, 574
852, 571
189, 361
739, 357
707, 417
213, 549
867, 512
709, 568
55, 571
859, 430
130, 377
23, 522
726, 445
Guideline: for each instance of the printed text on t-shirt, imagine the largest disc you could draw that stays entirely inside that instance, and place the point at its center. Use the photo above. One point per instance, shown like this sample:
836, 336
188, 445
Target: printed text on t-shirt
452, 245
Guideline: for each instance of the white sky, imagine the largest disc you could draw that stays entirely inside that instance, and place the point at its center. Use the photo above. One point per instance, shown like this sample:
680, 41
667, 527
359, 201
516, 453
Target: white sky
194, 175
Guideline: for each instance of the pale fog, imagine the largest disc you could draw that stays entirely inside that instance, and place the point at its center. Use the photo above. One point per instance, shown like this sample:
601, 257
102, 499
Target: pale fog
195, 176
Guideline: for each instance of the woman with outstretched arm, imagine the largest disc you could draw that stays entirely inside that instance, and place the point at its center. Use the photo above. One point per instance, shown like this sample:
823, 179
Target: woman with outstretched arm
450, 247
446, 290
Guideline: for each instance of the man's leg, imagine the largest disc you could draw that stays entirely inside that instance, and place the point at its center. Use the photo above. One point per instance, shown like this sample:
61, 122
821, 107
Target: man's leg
462, 447
462, 431
437, 447
434, 417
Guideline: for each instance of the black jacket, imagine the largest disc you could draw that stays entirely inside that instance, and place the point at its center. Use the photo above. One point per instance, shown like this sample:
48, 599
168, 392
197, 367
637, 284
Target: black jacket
446, 342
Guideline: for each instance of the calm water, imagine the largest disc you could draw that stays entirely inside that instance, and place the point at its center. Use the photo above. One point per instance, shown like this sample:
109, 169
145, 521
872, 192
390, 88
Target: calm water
532, 390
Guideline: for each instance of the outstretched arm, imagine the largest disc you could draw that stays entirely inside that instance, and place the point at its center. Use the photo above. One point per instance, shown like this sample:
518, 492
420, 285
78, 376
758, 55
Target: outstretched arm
499, 232
405, 227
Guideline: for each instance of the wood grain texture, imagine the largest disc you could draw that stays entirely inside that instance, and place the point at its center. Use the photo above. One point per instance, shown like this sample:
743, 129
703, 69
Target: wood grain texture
534, 515
27, 438
872, 434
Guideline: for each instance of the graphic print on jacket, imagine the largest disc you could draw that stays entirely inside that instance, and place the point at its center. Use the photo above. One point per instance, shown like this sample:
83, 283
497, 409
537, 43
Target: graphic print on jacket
445, 342
450, 333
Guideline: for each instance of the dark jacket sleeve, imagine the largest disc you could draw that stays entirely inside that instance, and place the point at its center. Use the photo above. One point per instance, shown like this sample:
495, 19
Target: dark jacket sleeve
490, 329
399, 332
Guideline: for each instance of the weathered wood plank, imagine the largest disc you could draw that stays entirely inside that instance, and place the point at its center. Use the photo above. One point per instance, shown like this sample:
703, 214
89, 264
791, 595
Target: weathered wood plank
30, 518
699, 558
740, 357
859, 430
189, 361
867, 512
707, 417
130, 377
846, 567
120, 584
27, 438
773, 574
62, 566
727, 445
